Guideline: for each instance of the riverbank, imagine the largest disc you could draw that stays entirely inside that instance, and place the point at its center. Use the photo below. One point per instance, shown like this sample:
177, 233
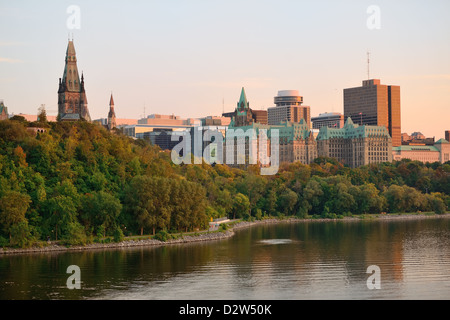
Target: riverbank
212, 236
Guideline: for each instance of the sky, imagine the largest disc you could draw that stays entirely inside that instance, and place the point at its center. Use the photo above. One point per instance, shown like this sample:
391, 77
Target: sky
191, 58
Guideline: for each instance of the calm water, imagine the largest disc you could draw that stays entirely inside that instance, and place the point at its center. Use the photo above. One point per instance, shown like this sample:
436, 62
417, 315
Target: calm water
285, 261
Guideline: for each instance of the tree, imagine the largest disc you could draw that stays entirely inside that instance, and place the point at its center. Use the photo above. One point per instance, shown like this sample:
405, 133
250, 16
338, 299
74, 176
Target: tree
147, 199
22, 235
42, 114
188, 203
367, 199
61, 211
241, 206
101, 209
13, 206
313, 194
287, 201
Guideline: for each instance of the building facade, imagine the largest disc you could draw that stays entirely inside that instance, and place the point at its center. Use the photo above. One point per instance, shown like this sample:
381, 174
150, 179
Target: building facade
72, 101
355, 145
295, 141
375, 104
288, 107
244, 115
3, 111
328, 119
158, 121
439, 152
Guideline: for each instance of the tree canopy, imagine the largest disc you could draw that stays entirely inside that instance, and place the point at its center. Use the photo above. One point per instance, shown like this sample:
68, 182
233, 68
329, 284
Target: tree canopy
77, 181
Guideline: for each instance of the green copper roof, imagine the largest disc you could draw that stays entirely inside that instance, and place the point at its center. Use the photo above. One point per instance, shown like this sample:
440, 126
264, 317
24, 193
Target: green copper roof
441, 141
351, 130
243, 100
415, 148
3, 107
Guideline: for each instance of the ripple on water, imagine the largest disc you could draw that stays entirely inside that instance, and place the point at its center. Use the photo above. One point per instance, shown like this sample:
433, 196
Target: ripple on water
275, 241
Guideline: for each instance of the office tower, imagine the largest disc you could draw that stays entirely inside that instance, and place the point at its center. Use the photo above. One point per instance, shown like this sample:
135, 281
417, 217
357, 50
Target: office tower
328, 119
375, 104
288, 107
72, 101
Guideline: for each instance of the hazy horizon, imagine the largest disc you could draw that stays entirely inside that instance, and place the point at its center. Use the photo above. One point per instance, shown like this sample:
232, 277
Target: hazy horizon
189, 57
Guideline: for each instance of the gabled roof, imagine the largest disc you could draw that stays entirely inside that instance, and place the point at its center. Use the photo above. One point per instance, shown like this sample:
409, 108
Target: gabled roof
441, 141
351, 130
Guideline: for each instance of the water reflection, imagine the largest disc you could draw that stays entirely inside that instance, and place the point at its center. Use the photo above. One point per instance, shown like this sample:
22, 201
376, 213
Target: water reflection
311, 260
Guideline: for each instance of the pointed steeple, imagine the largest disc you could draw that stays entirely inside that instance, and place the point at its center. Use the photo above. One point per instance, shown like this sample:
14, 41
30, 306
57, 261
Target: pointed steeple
111, 114
71, 78
111, 101
72, 101
243, 100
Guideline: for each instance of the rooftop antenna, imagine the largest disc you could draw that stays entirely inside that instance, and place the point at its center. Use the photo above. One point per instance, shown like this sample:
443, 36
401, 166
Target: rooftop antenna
368, 65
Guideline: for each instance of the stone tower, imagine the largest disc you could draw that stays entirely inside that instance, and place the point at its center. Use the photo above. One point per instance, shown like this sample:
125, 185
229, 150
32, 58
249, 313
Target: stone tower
72, 101
243, 113
111, 114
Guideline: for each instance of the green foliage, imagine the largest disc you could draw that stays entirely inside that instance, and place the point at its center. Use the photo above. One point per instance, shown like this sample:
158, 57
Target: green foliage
22, 235
163, 236
75, 234
241, 207
77, 181
13, 206
118, 235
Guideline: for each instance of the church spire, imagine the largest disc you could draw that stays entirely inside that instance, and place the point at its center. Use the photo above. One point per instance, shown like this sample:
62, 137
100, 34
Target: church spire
111, 114
111, 102
243, 103
72, 101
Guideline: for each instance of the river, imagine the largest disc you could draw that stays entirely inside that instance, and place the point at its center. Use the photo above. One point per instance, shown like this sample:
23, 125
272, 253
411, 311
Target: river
283, 261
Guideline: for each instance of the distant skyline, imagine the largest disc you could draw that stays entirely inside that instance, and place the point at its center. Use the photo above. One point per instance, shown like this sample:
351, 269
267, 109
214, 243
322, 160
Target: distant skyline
187, 57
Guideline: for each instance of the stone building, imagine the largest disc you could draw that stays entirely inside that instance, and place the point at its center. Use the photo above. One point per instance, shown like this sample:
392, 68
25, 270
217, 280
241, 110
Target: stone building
439, 152
244, 115
297, 142
355, 145
3, 111
72, 101
257, 143
111, 114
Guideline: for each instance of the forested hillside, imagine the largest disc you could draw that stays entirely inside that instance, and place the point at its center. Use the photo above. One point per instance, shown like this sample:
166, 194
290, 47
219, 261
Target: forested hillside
77, 182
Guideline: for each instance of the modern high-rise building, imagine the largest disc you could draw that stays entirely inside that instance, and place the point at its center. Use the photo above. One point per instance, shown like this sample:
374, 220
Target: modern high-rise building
72, 101
375, 104
288, 107
328, 119
447, 135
